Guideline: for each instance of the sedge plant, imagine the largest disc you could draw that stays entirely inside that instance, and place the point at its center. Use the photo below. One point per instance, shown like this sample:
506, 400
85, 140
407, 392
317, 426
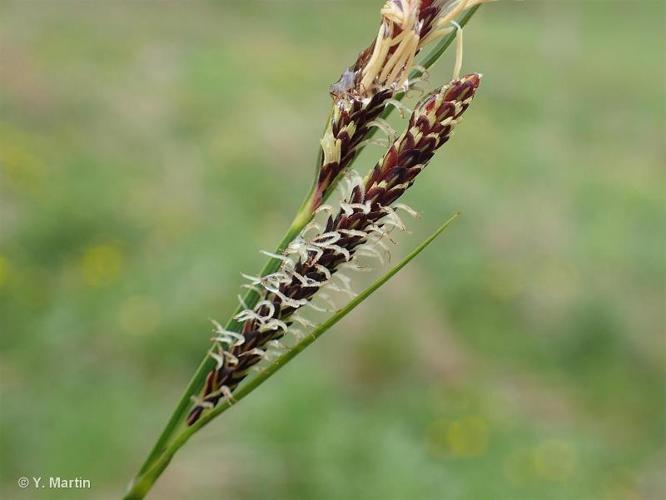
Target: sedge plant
326, 242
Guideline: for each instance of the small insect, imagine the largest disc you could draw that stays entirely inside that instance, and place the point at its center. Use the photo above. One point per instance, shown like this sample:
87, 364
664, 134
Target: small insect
344, 85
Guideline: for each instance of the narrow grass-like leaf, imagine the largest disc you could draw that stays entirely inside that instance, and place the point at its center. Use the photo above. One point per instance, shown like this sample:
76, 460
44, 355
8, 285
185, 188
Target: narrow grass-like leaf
145, 481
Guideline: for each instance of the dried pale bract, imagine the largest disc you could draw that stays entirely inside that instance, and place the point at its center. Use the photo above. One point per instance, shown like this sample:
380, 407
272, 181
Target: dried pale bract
406, 27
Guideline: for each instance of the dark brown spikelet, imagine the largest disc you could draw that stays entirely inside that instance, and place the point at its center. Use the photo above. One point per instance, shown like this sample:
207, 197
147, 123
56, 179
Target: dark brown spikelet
350, 125
364, 213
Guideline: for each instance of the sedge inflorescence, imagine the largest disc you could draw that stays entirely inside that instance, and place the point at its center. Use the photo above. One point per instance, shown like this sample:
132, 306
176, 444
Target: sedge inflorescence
325, 242
359, 227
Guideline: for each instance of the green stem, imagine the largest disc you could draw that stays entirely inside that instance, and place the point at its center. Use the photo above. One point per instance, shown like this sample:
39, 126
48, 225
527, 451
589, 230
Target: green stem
147, 478
208, 363
302, 218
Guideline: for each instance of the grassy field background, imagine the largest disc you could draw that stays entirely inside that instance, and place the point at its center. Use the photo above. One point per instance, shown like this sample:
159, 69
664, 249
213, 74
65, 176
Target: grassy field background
150, 149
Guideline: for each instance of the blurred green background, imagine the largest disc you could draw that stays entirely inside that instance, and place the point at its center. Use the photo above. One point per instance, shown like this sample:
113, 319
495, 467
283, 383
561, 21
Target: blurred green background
150, 149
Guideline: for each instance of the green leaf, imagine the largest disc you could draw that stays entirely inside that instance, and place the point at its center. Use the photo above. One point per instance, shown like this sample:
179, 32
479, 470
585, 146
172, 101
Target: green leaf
145, 481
